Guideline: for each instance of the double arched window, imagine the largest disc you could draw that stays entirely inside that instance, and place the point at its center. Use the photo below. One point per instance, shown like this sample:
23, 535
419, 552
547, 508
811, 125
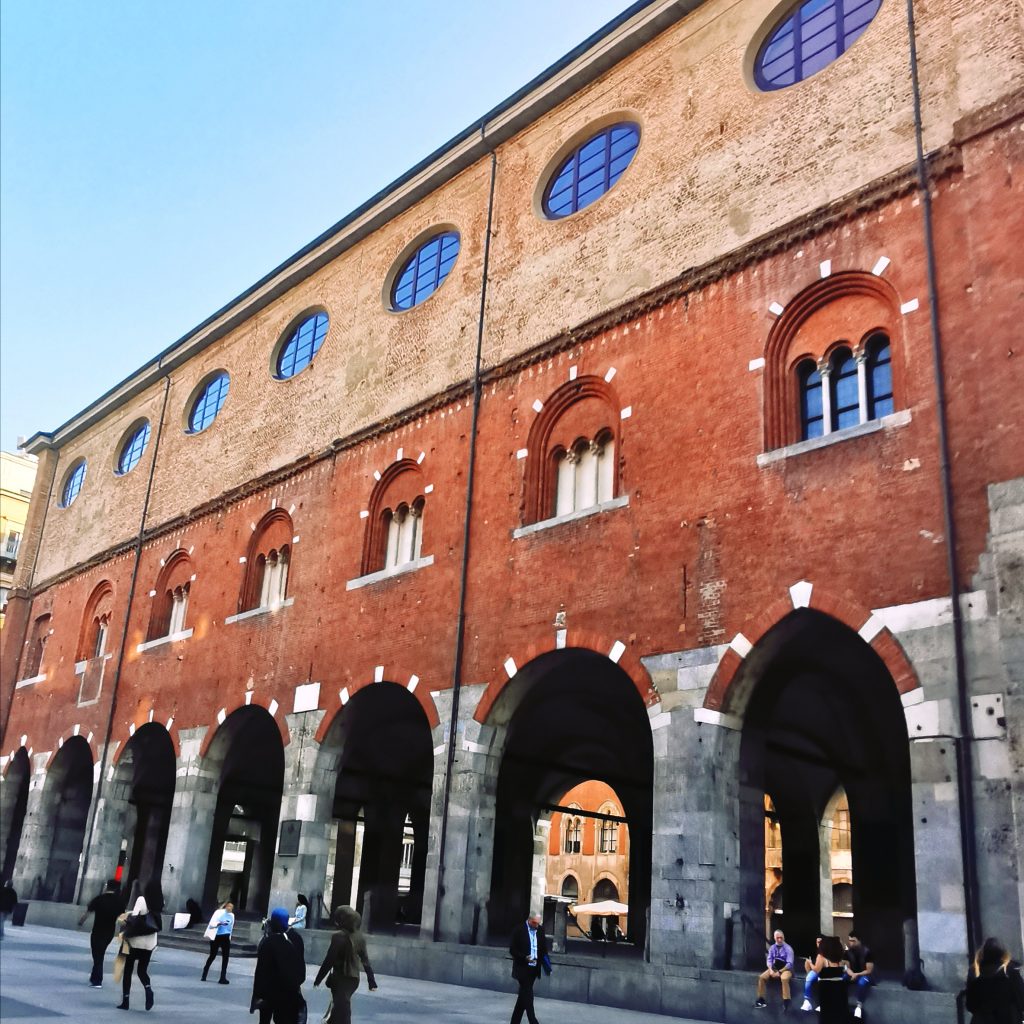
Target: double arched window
608, 841
394, 536
584, 473
267, 562
95, 631
847, 388
573, 835
170, 601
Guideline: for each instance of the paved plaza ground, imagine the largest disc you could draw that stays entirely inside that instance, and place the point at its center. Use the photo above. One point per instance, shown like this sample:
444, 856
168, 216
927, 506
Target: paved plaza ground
44, 978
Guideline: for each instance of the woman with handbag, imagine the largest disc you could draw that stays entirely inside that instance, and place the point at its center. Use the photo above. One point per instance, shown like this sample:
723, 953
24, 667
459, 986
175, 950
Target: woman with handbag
139, 939
346, 953
219, 934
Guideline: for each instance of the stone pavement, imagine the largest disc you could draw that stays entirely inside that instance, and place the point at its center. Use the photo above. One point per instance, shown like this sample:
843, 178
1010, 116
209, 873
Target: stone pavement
44, 976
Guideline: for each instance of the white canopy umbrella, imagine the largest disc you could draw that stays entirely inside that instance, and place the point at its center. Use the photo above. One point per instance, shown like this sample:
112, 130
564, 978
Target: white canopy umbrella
606, 908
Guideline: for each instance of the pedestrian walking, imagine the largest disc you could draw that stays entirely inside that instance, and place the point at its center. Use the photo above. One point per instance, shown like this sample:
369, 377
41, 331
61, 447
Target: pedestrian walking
346, 953
219, 933
8, 901
280, 972
141, 926
529, 948
105, 909
995, 991
298, 919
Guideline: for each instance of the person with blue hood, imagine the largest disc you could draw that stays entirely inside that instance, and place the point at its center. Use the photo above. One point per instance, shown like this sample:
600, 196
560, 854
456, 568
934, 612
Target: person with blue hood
345, 954
280, 972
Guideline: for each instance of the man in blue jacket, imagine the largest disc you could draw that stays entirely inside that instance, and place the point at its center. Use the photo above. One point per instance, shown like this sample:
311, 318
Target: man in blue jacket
529, 949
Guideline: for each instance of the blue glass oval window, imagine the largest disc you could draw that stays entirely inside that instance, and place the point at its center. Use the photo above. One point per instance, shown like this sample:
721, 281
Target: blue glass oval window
208, 402
304, 343
132, 449
73, 484
425, 270
815, 34
591, 170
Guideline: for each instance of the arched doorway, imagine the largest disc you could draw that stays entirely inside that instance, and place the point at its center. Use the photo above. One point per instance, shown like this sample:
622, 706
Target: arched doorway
381, 749
13, 804
824, 714
67, 793
145, 772
568, 717
248, 755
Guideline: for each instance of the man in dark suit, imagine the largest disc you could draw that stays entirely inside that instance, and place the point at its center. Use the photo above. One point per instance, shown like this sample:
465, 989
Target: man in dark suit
529, 949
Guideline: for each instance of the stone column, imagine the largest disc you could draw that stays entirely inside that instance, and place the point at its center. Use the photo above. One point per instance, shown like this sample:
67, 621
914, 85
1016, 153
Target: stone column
695, 854
36, 833
306, 802
114, 821
191, 828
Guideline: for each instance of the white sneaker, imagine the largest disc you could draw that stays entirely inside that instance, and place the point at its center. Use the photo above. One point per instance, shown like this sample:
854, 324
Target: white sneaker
858, 1012
806, 1007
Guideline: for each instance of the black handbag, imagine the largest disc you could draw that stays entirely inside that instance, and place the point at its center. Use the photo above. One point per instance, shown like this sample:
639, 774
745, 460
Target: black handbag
138, 925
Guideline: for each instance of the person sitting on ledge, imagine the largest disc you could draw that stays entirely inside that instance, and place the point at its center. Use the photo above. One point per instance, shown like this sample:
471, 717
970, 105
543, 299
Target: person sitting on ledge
780, 968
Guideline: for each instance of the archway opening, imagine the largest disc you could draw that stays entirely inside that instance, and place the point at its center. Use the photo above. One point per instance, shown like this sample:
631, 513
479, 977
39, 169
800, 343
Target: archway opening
573, 717
13, 805
66, 801
824, 718
381, 810
146, 771
588, 853
250, 755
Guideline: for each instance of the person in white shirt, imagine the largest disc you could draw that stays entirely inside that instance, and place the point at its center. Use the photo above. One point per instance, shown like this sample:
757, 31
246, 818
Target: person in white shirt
141, 926
298, 919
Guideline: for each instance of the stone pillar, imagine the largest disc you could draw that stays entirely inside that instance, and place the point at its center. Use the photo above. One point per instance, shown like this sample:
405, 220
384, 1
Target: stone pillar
36, 834
191, 828
114, 821
695, 876
462, 915
538, 883
307, 802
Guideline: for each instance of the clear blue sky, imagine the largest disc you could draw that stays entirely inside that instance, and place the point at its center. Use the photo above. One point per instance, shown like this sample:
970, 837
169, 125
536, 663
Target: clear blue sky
158, 158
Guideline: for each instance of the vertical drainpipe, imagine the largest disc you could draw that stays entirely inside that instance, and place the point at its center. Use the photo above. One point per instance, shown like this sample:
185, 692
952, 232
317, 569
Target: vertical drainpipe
124, 639
965, 768
460, 625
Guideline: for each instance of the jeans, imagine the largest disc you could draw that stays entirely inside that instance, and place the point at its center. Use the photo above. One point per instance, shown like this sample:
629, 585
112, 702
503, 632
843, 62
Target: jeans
862, 986
812, 977
140, 957
221, 944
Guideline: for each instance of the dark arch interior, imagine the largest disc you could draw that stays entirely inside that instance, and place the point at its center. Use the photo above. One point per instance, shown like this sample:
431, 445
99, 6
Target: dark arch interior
15, 805
385, 775
148, 766
248, 810
824, 713
69, 791
580, 718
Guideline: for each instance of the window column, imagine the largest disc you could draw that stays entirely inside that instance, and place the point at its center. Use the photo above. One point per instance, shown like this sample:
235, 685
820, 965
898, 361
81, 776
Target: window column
825, 369
862, 383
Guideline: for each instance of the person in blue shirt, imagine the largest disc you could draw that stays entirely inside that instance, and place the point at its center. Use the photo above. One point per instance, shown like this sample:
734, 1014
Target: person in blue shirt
219, 934
780, 968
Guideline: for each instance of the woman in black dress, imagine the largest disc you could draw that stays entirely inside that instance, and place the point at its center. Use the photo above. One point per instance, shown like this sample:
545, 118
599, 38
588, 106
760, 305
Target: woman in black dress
831, 982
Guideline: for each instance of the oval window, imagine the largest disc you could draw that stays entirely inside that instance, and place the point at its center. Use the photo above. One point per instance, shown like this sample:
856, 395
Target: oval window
303, 343
208, 402
810, 38
424, 271
132, 449
73, 484
591, 169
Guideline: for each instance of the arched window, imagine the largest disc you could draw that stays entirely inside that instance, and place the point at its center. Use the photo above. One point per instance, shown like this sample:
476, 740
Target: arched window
573, 451
95, 632
609, 836
843, 382
809, 39
812, 418
208, 401
34, 656
585, 474
133, 447
879, 377
267, 562
605, 889
170, 603
424, 271
570, 888
302, 345
72, 484
573, 835
591, 170
394, 535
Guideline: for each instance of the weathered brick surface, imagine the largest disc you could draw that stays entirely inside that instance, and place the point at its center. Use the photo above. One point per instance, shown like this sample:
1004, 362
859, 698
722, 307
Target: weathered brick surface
719, 165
